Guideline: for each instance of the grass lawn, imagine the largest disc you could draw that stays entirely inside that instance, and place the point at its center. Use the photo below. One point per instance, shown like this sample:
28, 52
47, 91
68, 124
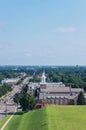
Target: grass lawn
4, 120
50, 118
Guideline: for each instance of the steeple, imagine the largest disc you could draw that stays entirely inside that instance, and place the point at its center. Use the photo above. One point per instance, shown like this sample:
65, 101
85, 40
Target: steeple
43, 78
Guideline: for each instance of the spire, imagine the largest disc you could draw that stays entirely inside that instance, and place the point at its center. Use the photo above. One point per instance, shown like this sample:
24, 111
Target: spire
43, 78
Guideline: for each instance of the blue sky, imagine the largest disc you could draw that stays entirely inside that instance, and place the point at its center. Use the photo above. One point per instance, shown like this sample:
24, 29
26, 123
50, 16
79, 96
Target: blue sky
43, 32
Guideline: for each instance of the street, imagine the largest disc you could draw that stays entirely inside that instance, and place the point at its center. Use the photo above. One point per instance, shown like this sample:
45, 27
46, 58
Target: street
6, 103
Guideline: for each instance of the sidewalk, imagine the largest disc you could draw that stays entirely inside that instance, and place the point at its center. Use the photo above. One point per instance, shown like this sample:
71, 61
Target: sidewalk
8, 120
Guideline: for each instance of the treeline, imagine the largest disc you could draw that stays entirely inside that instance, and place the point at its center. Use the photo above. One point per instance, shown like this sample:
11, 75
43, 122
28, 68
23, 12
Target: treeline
4, 73
69, 75
4, 89
74, 76
8, 74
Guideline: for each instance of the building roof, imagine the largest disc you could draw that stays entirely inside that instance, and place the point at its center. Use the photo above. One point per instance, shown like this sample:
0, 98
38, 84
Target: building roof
76, 90
61, 89
56, 89
11, 80
58, 84
49, 96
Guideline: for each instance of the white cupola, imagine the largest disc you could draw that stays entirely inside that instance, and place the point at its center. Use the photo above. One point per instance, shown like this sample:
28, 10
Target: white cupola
43, 78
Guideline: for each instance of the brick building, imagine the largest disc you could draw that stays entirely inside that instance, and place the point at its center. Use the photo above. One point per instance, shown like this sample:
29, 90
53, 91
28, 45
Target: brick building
54, 93
57, 93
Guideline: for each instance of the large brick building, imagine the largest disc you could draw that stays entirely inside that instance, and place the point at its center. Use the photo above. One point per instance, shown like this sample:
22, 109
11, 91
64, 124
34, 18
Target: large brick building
55, 93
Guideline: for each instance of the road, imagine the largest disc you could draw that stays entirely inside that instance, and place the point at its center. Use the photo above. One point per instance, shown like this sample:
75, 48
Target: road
6, 103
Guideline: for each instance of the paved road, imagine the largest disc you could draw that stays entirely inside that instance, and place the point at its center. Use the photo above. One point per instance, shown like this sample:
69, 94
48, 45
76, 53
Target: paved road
6, 103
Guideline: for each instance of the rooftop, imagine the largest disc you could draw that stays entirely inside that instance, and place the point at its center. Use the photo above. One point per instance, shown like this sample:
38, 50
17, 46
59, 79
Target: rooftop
56, 89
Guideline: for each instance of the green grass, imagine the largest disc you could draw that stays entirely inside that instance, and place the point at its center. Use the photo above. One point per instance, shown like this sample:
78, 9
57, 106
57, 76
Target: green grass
50, 118
4, 120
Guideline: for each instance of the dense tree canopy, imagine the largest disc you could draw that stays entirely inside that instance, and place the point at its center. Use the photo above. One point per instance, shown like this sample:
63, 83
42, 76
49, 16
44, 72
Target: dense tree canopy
27, 102
81, 99
69, 75
73, 75
4, 89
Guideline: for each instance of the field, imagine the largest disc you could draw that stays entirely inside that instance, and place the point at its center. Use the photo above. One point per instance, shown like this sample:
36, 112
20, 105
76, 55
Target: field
50, 118
4, 120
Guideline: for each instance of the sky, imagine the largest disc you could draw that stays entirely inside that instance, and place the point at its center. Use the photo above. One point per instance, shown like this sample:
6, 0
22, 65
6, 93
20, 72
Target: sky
42, 32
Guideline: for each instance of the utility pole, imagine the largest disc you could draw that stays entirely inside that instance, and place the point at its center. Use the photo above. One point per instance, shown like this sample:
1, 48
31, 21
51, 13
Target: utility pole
5, 102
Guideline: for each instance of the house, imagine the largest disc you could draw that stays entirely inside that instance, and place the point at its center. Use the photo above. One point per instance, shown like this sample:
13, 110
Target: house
32, 87
11, 81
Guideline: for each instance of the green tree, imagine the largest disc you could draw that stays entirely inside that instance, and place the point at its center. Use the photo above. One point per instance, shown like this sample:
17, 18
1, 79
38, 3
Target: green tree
81, 99
16, 99
27, 102
24, 89
4, 89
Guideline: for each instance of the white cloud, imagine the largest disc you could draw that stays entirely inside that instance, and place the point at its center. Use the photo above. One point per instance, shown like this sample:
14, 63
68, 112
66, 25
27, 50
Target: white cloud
27, 54
65, 30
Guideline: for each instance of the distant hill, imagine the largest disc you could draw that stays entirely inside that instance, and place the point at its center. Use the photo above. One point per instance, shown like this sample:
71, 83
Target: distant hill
50, 118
